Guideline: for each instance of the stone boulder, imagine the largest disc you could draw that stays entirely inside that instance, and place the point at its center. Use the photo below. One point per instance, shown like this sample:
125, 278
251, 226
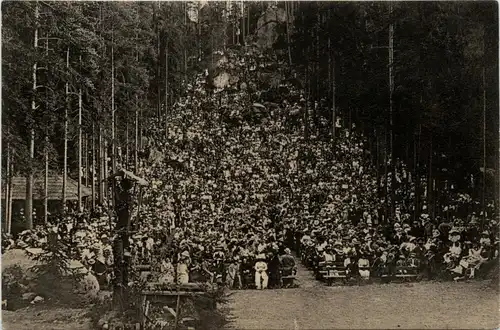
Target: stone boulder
267, 32
222, 80
87, 283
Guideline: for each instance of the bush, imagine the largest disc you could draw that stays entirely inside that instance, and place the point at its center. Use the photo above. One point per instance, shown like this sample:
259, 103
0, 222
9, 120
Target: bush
14, 284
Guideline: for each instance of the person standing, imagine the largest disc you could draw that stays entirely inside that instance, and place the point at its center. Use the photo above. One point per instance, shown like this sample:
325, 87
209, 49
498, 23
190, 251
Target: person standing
182, 268
261, 277
233, 274
274, 270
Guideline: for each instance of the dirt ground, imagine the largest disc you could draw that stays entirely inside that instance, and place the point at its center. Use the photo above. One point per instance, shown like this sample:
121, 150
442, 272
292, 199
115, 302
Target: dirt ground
313, 305
41, 318
423, 305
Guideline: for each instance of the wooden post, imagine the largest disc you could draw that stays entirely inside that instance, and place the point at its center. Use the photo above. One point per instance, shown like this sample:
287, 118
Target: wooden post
177, 308
124, 190
123, 206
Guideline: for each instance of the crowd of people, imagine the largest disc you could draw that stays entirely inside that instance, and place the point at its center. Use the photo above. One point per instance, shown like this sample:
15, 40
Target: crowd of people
235, 186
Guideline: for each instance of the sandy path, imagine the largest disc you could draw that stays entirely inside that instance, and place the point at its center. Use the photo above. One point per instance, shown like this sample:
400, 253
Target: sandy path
422, 305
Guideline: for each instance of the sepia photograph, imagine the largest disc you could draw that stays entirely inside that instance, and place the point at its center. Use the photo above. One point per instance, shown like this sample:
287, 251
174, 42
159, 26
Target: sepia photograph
234, 165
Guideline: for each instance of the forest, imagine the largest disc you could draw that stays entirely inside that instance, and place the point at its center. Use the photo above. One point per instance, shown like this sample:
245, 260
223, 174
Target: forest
81, 82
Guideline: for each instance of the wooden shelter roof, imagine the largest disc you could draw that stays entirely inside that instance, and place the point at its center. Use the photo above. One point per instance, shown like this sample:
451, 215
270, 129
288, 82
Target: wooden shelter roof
54, 188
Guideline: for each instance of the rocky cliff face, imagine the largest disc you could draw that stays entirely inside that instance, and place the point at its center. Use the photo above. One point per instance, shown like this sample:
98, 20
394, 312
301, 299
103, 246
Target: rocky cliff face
267, 26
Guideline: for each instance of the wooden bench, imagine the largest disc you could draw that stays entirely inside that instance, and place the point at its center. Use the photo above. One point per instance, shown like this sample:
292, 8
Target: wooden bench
288, 277
170, 296
143, 267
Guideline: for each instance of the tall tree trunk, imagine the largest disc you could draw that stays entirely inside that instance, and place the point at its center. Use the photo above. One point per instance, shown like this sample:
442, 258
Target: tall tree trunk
65, 156
101, 165
100, 125
186, 30
92, 180
226, 15
46, 181
125, 160
9, 203
316, 62
113, 115
200, 50
288, 34
28, 209
377, 161
415, 178
106, 170
158, 63
391, 90
85, 160
46, 146
306, 107
483, 194
233, 34
418, 183
329, 45
113, 122
429, 181
248, 18
80, 171
243, 23
7, 191
334, 111
141, 129
386, 175
136, 136
166, 89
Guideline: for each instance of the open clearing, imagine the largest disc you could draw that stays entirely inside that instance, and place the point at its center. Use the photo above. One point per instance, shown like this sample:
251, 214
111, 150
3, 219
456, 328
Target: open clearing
424, 305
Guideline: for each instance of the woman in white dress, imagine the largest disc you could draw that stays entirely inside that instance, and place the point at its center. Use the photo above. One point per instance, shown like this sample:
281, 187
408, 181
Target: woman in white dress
167, 272
182, 268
